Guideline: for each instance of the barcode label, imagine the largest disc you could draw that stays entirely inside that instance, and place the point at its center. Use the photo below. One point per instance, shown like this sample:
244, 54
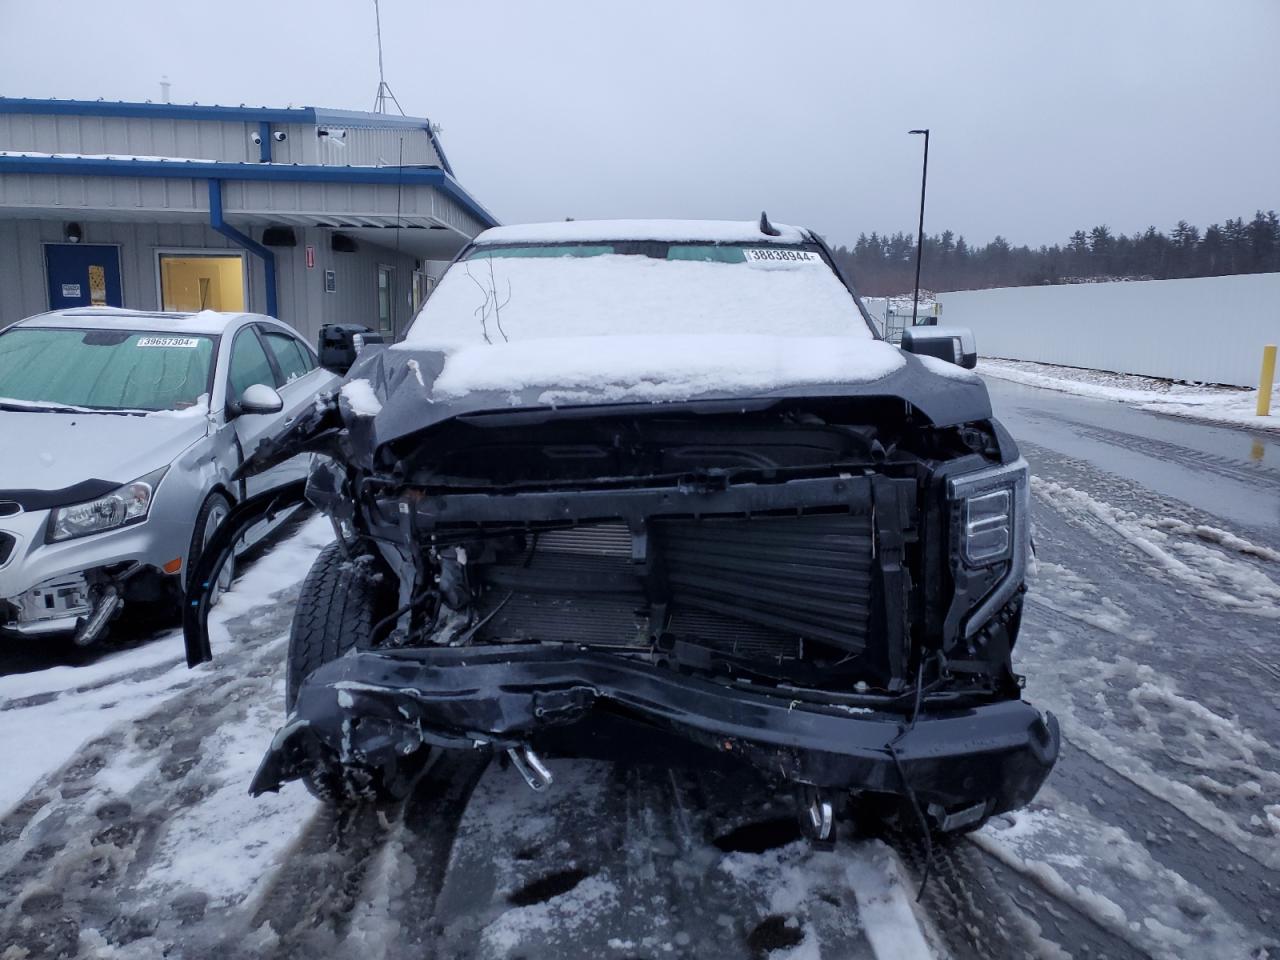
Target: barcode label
183, 342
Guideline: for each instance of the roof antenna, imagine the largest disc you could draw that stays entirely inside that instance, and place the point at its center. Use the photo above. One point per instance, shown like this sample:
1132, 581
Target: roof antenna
767, 228
384, 93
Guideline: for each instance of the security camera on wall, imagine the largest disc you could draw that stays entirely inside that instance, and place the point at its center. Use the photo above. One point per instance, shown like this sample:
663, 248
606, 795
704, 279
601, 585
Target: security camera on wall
255, 138
279, 136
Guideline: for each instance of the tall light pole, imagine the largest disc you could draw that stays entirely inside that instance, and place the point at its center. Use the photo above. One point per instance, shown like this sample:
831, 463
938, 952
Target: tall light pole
924, 179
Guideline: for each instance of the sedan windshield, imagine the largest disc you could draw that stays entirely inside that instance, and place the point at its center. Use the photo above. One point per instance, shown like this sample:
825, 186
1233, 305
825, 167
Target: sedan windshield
94, 369
533, 291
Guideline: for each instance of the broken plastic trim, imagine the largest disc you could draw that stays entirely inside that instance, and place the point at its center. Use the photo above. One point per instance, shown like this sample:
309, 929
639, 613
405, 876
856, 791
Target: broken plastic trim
204, 579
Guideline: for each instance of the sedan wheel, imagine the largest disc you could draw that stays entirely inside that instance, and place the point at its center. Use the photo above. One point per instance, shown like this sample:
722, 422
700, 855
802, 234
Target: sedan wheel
217, 511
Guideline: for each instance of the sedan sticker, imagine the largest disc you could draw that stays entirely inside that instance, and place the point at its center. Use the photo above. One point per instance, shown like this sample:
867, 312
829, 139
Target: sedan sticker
187, 342
773, 258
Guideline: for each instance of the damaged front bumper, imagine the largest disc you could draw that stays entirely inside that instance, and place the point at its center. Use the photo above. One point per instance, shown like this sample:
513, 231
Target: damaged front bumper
375, 709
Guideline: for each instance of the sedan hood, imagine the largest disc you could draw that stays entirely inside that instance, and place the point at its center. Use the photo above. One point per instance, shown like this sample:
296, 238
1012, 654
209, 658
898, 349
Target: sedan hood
56, 451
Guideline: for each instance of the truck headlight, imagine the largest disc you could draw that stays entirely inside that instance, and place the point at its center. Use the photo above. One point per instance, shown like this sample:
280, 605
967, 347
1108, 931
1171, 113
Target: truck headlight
988, 527
991, 525
124, 505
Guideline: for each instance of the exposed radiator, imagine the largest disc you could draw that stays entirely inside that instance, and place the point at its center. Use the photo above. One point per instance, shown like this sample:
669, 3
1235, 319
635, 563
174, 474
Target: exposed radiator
755, 588
804, 577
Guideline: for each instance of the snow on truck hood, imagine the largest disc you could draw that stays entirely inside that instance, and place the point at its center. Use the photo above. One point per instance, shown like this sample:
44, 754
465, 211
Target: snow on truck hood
522, 327
613, 327
666, 367
51, 451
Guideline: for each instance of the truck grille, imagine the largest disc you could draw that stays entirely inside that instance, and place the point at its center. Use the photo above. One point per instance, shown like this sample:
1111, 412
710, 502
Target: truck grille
756, 587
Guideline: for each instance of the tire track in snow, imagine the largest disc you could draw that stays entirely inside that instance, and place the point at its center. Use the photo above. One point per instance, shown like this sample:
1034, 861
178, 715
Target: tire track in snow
1164, 450
92, 870
984, 911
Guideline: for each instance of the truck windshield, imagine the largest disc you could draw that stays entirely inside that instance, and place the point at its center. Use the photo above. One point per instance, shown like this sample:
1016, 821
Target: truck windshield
645, 287
95, 369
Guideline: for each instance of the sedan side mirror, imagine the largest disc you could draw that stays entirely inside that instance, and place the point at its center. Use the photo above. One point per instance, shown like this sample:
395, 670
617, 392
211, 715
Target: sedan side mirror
258, 398
953, 344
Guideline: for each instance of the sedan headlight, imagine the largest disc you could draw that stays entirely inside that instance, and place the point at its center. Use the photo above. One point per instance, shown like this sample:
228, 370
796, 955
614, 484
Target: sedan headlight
122, 506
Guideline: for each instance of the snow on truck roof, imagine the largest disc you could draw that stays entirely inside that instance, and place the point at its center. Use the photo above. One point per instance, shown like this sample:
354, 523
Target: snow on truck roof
117, 318
706, 231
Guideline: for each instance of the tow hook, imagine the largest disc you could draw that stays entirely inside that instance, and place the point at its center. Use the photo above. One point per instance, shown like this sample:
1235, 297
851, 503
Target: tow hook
816, 815
531, 767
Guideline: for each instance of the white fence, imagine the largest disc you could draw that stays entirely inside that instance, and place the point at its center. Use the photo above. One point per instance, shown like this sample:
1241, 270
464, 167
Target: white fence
1210, 330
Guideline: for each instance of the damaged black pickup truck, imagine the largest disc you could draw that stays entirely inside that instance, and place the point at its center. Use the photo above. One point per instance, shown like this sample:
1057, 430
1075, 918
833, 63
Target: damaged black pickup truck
659, 490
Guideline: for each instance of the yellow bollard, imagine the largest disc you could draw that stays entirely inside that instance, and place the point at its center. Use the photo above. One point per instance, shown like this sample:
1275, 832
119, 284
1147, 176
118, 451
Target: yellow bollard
1267, 380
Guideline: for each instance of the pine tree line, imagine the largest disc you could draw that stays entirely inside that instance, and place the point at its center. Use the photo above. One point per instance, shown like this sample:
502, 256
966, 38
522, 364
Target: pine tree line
884, 265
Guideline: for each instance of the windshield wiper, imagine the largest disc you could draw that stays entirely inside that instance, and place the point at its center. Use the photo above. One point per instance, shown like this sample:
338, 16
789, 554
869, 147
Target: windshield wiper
51, 406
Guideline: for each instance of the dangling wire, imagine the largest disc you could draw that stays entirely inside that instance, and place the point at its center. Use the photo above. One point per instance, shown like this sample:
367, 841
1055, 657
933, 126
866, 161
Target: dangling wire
906, 784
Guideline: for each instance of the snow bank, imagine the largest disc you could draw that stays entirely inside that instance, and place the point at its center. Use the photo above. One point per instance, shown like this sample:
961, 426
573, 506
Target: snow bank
1111, 878
1213, 404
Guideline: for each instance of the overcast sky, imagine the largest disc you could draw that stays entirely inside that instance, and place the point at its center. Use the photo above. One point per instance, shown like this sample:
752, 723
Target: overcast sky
1045, 117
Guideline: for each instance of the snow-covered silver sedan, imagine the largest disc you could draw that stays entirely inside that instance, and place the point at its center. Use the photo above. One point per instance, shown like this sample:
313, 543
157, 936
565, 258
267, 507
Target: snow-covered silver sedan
119, 434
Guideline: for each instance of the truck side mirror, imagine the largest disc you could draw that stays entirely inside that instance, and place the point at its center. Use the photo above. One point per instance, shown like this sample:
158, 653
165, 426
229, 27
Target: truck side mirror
953, 344
340, 344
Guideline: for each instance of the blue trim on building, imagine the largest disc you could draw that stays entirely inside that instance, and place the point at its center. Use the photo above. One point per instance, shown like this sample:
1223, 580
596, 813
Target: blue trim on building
264, 142
287, 172
235, 236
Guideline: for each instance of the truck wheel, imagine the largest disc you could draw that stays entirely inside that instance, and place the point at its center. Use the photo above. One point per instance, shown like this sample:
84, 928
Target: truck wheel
213, 511
336, 612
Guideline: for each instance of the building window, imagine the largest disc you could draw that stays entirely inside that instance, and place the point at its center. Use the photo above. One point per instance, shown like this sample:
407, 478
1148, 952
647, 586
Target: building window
190, 283
386, 301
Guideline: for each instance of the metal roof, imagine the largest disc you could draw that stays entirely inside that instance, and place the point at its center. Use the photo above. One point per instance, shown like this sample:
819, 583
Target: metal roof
196, 111
270, 172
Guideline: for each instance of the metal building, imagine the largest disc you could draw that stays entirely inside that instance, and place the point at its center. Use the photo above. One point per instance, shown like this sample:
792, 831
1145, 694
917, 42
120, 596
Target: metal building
310, 215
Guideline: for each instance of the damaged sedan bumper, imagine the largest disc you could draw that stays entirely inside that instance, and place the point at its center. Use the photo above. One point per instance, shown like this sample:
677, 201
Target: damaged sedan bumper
376, 709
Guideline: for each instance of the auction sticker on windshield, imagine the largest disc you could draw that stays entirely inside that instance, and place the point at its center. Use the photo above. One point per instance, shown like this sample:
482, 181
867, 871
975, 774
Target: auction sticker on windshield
784, 257
189, 342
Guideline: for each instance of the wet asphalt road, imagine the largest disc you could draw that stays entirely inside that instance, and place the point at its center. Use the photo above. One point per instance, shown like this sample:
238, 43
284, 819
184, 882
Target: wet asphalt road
1152, 631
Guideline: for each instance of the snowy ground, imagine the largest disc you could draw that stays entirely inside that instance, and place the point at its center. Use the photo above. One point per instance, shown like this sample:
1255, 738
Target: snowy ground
126, 830
1210, 403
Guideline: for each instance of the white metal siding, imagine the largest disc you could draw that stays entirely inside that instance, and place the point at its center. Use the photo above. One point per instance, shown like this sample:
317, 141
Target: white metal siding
129, 136
22, 273
1210, 329
220, 140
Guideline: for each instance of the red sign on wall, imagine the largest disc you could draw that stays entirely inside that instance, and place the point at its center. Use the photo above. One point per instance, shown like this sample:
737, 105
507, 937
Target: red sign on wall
311, 256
